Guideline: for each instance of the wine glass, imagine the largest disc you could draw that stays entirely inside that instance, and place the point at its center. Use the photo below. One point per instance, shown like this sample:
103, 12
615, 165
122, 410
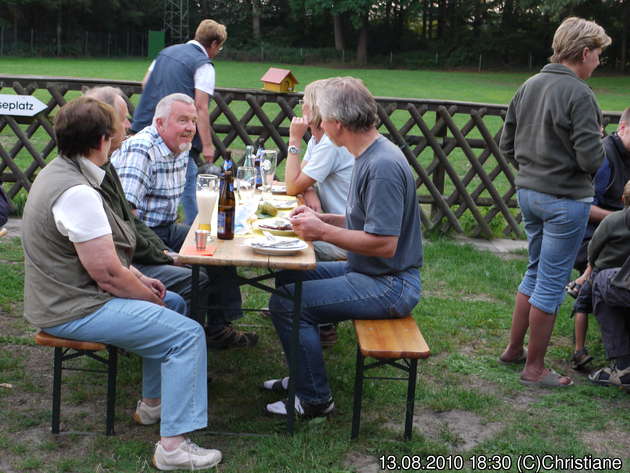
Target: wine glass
268, 166
207, 194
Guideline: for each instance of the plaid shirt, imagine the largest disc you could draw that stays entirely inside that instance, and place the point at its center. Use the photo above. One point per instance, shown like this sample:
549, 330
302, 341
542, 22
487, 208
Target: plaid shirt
152, 176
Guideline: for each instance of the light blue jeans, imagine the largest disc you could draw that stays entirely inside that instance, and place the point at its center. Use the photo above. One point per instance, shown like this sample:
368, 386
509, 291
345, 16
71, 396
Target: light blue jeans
189, 197
172, 347
555, 227
332, 293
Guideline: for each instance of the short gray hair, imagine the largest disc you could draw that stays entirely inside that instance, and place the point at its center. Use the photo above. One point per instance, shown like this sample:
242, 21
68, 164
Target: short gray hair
625, 116
163, 108
106, 94
347, 100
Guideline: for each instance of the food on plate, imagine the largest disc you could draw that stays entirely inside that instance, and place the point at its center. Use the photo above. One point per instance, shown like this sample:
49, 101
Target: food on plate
278, 224
267, 208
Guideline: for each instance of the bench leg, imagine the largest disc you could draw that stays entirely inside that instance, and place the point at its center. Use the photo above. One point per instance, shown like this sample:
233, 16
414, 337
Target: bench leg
358, 394
411, 397
112, 367
56, 394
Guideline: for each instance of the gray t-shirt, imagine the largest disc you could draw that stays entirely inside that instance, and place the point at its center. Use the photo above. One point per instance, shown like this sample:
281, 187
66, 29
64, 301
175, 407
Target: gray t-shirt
331, 166
382, 201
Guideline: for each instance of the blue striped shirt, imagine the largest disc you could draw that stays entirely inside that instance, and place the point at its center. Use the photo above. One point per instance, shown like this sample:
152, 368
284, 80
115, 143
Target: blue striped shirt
151, 175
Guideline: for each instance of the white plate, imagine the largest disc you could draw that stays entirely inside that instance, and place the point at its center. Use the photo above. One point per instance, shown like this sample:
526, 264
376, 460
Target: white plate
283, 204
279, 189
275, 251
266, 221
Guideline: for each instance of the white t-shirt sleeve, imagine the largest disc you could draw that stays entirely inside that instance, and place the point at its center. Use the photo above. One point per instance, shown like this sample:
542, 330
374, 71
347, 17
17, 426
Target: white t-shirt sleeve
321, 162
79, 214
204, 79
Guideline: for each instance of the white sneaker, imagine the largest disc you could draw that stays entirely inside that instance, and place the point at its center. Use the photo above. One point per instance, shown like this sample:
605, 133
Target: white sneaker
187, 456
302, 409
277, 385
147, 415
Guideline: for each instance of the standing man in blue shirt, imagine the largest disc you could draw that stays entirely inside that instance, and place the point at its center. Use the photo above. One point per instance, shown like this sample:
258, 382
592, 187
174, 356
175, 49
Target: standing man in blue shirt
185, 68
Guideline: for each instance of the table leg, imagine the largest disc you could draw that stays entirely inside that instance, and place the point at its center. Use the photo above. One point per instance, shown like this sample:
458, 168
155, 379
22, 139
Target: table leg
293, 365
194, 298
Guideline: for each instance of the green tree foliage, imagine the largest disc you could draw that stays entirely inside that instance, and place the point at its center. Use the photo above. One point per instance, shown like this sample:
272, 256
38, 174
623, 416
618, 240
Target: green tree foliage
421, 32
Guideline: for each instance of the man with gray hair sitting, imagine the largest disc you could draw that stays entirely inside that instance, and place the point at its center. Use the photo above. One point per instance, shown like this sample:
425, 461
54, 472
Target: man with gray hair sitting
380, 231
152, 169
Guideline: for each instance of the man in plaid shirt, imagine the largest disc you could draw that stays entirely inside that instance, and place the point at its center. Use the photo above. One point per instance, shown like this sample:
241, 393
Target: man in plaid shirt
152, 169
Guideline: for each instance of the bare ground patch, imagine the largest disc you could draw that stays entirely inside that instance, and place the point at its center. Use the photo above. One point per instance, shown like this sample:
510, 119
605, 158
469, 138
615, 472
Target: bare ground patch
610, 442
463, 430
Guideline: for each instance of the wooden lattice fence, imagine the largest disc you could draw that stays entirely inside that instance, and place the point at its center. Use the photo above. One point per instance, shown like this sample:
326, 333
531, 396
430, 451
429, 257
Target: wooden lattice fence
464, 182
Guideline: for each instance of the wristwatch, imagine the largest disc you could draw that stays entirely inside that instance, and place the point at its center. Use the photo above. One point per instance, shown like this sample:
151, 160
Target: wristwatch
294, 149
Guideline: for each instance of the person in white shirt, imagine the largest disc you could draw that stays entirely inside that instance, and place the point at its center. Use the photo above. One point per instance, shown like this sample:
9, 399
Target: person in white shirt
326, 170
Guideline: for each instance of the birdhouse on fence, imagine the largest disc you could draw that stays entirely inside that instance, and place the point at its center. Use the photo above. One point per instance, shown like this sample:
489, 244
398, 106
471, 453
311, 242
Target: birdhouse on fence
279, 80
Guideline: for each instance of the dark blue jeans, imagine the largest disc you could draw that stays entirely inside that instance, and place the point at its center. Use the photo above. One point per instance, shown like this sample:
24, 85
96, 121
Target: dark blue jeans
332, 293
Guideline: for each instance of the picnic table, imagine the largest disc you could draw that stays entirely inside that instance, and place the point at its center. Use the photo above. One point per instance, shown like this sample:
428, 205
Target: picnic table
237, 253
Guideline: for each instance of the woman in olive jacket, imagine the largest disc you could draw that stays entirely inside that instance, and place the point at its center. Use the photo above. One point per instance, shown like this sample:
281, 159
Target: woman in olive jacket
553, 132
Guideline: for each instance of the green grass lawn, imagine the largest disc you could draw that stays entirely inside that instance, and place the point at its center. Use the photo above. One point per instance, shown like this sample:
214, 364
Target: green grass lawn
613, 92
466, 402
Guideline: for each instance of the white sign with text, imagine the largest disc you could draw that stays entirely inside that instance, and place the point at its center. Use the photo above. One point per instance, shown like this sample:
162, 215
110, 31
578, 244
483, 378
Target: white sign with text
21, 105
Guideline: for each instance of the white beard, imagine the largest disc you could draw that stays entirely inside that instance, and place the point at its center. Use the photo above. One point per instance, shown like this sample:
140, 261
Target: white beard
183, 147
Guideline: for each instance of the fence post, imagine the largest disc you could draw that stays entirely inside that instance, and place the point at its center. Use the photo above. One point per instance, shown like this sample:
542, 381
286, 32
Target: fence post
437, 57
262, 52
391, 58
439, 172
109, 38
530, 61
85, 48
343, 55
480, 61
32, 42
1, 40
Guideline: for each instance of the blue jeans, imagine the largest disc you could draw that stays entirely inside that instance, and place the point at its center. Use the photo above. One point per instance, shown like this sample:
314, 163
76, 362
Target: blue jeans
332, 293
222, 281
172, 347
189, 197
555, 227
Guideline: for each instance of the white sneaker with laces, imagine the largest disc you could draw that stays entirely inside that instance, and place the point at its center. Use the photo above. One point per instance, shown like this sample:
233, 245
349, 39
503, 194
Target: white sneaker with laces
187, 456
147, 415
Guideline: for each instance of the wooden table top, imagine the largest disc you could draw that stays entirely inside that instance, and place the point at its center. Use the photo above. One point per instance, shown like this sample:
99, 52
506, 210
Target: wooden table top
236, 253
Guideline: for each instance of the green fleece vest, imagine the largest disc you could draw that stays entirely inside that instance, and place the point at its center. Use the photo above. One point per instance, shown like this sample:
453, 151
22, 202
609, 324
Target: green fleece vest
57, 288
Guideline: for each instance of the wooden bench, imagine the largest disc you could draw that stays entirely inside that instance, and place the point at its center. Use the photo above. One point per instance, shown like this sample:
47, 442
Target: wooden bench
66, 349
389, 341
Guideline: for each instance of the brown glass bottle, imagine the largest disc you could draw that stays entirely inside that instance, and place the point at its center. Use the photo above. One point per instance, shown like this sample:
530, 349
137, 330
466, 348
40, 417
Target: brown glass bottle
227, 203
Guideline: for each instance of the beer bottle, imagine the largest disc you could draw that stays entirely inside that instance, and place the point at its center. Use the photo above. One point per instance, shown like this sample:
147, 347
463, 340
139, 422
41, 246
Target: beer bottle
227, 202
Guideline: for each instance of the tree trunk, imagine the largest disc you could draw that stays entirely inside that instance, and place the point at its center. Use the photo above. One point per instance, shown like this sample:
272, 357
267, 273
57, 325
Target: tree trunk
624, 35
59, 30
478, 14
338, 27
363, 40
430, 20
256, 13
441, 18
